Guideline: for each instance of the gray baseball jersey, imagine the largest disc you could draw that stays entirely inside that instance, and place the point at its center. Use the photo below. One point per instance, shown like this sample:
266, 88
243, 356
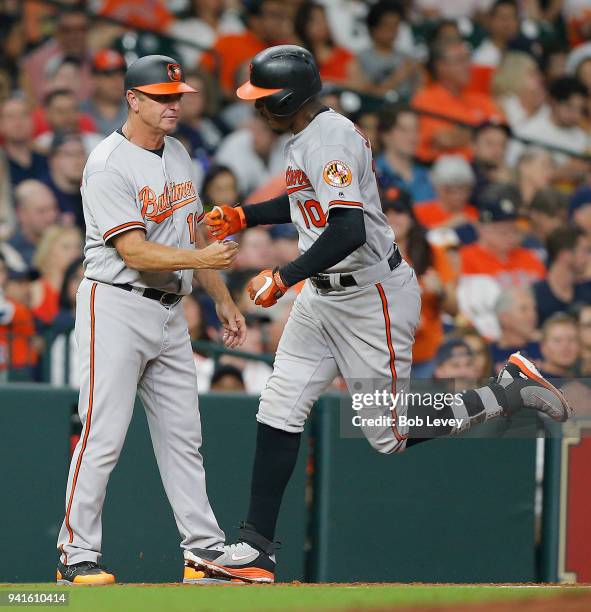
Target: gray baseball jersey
329, 165
365, 332
126, 187
129, 343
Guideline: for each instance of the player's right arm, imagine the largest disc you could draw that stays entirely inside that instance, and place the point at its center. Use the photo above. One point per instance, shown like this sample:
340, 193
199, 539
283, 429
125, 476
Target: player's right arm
224, 220
139, 254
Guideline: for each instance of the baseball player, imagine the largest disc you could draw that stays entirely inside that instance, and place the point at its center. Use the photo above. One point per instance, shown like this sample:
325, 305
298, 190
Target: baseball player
356, 314
143, 249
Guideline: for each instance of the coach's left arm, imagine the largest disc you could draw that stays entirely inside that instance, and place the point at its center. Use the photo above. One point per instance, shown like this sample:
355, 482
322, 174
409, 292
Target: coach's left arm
230, 317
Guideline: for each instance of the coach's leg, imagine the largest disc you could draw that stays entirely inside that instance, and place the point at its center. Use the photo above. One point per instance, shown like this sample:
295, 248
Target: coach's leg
110, 362
168, 390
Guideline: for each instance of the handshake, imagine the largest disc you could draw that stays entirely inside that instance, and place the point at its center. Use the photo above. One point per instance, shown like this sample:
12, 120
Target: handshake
223, 221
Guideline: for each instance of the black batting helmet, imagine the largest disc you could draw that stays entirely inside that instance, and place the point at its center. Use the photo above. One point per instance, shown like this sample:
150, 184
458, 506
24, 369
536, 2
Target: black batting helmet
156, 74
286, 76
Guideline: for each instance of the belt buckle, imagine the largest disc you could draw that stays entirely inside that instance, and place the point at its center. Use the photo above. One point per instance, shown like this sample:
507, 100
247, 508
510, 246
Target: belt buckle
164, 299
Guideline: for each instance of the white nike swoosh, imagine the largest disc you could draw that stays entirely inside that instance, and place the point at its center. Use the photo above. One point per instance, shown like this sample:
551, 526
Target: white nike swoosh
268, 281
239, 557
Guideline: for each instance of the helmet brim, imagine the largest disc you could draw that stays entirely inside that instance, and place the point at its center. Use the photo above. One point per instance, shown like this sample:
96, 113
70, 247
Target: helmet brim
248, 91
166, 88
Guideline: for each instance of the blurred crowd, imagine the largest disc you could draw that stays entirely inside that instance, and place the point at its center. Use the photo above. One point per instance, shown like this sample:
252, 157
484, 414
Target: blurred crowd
479, 117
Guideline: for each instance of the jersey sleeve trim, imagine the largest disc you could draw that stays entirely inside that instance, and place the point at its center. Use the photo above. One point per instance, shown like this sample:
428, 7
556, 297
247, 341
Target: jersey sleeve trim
124, 227
201, 217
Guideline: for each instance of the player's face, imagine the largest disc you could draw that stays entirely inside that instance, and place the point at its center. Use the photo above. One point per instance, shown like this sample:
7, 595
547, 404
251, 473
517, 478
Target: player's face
160, 112
277, 124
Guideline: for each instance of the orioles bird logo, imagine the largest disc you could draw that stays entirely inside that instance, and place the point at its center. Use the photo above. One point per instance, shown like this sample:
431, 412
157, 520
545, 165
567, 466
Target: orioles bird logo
174, 72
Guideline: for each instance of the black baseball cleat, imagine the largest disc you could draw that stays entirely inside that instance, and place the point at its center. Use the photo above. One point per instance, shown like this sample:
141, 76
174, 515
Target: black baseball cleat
249, 560
83, 573
525, 387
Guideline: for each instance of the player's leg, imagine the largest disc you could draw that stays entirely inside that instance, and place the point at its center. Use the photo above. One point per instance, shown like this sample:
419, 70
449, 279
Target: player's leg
110, 362
370, 331
168, 390
374, 352
303, 368
518, 386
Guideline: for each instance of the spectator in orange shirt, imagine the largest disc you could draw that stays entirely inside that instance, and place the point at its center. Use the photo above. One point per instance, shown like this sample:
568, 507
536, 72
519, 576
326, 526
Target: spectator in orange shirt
17, 331
336, 64
268, 24
447, 94
495, 262
434, 272
450, 212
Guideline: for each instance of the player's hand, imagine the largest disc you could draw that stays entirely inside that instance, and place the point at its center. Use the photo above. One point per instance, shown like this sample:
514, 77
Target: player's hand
217, 256
232, 321
224, 221
266, 288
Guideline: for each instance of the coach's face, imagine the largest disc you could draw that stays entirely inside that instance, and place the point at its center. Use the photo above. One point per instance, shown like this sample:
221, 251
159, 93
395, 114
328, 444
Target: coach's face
159, 112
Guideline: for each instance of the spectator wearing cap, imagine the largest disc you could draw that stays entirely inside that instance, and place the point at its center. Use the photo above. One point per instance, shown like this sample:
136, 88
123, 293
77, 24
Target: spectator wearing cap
36, 210
546, 213
69, 39
16, 133
17, 332
397, 165
562, 126
447, 94
579, 210
453, 180
436, 276
106, 106
67, 158
63, 115
491, 139
267, 24
454, 365
495, 261
227, 379
381, 63
569, 254
515, 310
560, 346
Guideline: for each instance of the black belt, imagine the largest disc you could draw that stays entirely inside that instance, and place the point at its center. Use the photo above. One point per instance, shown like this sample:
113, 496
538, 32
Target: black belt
166, 299
322, 281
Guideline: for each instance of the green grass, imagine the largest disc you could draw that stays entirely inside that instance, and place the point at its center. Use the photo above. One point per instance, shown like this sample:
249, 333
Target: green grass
188, 598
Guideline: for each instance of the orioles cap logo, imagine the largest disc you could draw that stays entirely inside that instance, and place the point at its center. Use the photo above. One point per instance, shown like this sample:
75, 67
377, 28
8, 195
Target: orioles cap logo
174, 72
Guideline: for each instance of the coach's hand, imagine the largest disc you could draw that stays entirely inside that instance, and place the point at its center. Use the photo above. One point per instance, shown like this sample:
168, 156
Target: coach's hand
266, 288
232, 321
224, 221
217, 256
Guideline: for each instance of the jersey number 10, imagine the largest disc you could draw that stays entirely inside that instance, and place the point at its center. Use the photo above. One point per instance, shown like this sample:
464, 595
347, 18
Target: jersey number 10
312, 213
